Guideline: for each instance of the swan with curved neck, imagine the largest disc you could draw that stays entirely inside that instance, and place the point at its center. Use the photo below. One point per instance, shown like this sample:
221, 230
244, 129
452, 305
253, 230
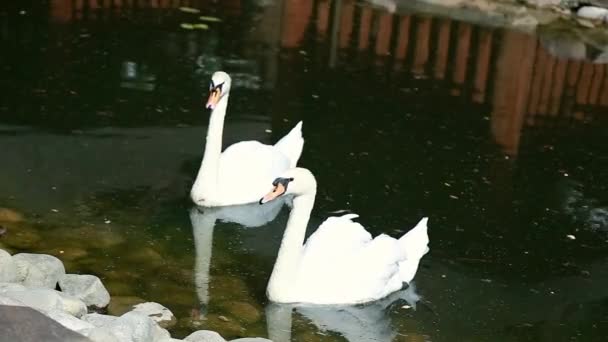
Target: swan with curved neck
340, 262
240, 173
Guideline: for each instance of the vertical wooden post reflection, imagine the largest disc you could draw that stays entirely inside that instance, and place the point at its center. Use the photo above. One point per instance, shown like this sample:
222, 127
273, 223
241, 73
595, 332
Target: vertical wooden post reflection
596, 83
604, 92
583, 88
61, 10
558, 86
483, 65
365, 28
545, 93
297, 13
537, 77
442, 50
512, 85
421, 53
346, 22
383, 39
322, 18
403, 39
462, 56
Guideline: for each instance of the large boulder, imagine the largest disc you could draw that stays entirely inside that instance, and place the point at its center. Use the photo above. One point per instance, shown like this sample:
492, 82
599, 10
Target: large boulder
48, 300
251, 339
87, 288
28, 325
101, 335
69, 321
204, 336
130, 327
158, 313
8, 268
11, 287
38, 270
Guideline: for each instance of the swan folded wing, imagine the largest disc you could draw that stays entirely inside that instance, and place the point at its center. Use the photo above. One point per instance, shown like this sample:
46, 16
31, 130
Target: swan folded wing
291, 145
247, 170
415, 245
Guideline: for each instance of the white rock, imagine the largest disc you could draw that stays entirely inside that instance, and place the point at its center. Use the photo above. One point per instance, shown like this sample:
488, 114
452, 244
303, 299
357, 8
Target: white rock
69, 321
158, 313
38, 270
251, 339
8, 268
592, 12
11, 287
87, 288
101, 335
99, 320
137, 327
48, 300
10, 301
204, 336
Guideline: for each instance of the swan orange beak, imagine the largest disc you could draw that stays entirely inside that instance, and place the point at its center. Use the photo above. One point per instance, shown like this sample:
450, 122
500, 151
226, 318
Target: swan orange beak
214, 98
277, 191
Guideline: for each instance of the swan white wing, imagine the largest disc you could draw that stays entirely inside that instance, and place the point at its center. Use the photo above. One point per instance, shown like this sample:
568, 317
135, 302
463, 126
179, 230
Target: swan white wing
247, 169
341, 263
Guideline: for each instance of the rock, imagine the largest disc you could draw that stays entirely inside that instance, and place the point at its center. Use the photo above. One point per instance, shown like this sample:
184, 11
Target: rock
48, 300
99, 320
204, 336
87, 288
101, 335
251, 339
8, 268
69, 321
11, 287
137, 327
158, 313
122, 304
244, 311
10, 215
10, 301
593, 13
26, 324
38, 270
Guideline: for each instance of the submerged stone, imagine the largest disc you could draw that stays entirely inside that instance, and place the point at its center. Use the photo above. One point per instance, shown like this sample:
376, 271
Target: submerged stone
122, 304
10, 215
244, 311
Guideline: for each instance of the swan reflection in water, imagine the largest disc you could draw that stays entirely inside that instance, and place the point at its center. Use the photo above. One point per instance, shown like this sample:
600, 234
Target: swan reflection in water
361, 323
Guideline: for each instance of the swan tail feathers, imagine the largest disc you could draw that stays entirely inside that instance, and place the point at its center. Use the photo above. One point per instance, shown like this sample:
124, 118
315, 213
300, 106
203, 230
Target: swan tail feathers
415, 245
292, 144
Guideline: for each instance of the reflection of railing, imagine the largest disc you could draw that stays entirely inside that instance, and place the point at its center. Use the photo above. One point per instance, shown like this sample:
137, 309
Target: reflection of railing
67, 10
460, 53
507, 70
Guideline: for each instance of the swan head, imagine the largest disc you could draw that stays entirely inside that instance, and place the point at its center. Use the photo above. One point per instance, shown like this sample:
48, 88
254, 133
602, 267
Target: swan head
297, 181
218, 88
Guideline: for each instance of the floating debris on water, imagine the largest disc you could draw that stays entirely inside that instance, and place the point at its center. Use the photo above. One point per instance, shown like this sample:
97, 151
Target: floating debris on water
406, 307
210, 19
189, 9
571, 237
187, 26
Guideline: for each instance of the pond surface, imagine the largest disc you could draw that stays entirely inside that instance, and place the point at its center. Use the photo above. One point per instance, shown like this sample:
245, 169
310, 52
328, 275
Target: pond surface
497, 138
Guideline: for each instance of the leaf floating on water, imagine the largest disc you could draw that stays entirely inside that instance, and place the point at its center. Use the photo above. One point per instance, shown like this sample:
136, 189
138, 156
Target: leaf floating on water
187, 26
189, 10
210, 19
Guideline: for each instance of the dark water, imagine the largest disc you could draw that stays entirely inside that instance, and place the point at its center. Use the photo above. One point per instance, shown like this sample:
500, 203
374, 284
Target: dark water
490, 132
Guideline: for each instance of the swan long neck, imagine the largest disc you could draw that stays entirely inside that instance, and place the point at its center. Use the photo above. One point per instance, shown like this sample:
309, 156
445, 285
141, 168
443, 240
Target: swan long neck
285, 269
207, 177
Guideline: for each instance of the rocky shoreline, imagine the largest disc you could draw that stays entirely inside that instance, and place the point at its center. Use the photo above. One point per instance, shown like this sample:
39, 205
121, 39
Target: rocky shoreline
40, 282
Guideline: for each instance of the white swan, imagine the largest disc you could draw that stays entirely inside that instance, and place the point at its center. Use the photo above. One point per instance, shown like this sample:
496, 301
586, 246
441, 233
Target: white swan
243, 171
340, 262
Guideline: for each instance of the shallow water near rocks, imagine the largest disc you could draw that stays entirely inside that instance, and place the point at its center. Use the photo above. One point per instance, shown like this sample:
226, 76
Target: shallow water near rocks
498, 136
